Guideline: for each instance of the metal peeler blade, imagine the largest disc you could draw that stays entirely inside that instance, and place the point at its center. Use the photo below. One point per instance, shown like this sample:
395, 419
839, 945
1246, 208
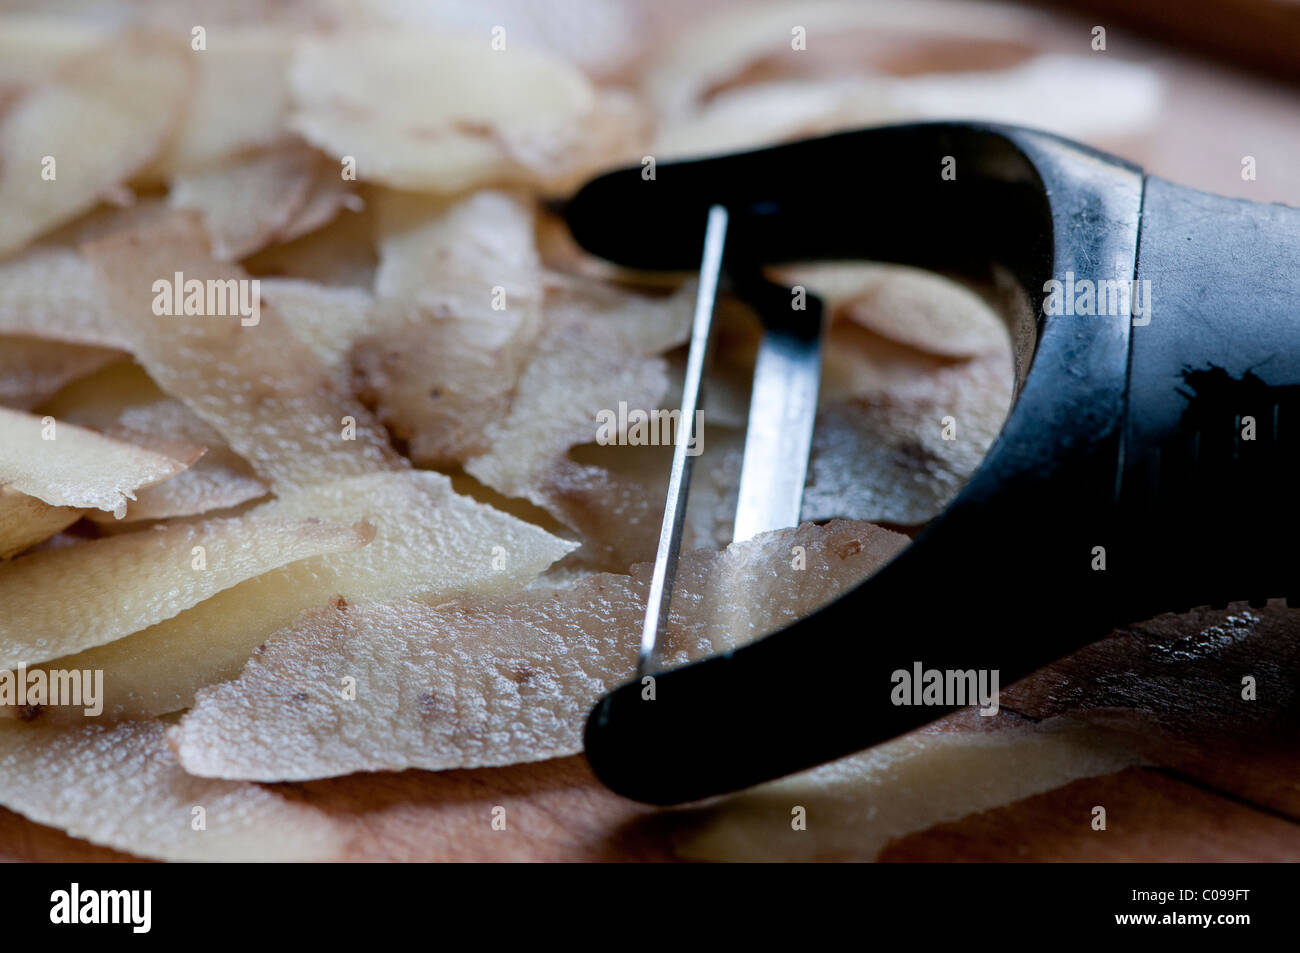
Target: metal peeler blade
679, 480
782, 411
782, 407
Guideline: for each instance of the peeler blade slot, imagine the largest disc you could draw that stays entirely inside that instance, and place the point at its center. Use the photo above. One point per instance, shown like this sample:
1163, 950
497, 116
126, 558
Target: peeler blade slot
782, 408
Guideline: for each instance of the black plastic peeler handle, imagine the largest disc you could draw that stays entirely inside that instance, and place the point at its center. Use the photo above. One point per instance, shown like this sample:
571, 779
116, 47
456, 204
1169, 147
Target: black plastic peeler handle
1166, 437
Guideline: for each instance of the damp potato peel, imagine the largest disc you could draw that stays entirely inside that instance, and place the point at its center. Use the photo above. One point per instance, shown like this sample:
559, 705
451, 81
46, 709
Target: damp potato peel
501, 679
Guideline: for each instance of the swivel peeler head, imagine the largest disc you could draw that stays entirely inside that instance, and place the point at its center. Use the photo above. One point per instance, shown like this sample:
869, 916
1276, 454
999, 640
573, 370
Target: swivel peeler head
983, 585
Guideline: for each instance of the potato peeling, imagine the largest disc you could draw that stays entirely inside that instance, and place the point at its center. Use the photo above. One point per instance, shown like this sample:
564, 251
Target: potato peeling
50, 293
121, 401
25, 520
428, 543
258, 383
101, 118
500, 680
272, 190
121, 787
600, 348
441, 113
130, 582
67, 465
33, 370
863, 802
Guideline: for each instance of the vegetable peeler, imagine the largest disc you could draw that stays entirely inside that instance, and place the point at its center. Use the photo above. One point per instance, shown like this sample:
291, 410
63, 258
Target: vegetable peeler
1150, 461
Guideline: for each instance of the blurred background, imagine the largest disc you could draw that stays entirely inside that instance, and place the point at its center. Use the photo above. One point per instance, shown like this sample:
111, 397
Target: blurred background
1188, 88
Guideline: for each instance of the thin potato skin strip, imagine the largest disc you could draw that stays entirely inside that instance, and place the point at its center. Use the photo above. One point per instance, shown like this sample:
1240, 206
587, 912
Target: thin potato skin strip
217, 482
430, 543
328, 195
121, 786
123, 402
439, 113
325, 317
940, 773
122, 398
611, 38
126, 583
261, 386
247, 202
460, 289
66, 465
51, 293
33, 370
494, 681
886, 458
26, 521
598, 351
453, 254
909, 306
554, 411
338, 255
240, 102
103, 117
612, 497
32, 46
